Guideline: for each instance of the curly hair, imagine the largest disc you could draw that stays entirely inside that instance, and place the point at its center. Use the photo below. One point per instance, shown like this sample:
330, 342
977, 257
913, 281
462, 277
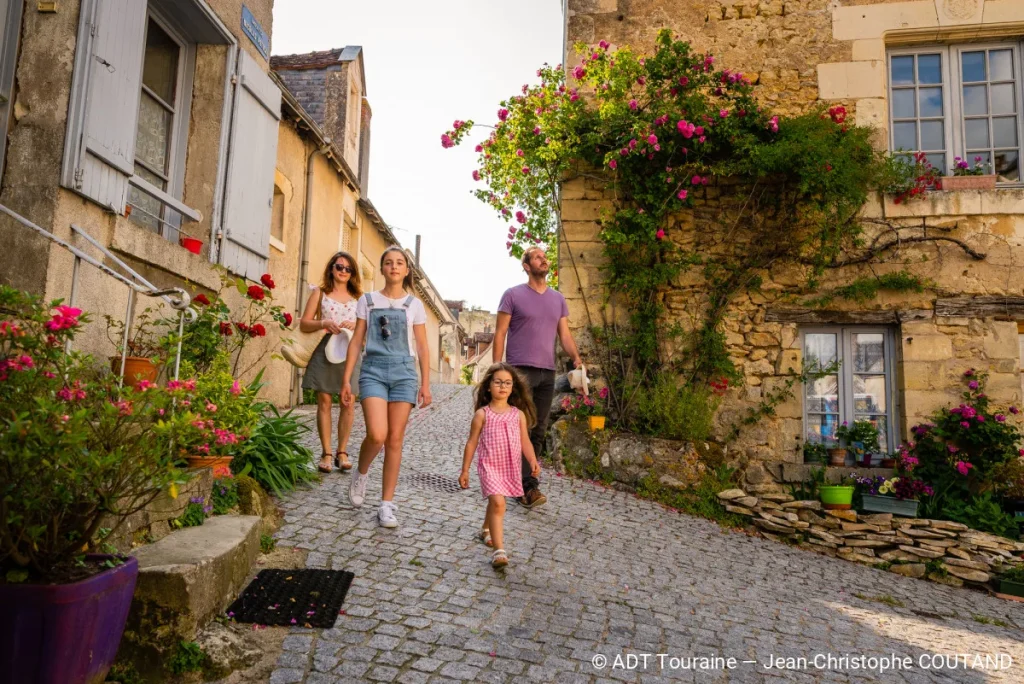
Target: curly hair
521, 396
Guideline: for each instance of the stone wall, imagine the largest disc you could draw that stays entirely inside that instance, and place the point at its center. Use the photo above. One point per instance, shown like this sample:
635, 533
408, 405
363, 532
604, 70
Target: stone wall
797, 53
940, 550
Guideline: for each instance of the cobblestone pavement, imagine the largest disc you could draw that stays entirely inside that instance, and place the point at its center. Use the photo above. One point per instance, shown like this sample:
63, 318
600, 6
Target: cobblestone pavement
597, 572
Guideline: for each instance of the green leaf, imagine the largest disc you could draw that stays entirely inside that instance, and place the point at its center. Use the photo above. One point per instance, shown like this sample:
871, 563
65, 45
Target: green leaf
17, 576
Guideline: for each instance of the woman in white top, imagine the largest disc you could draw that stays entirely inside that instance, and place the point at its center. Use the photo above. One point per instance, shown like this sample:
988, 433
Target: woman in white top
392, 322
331, 307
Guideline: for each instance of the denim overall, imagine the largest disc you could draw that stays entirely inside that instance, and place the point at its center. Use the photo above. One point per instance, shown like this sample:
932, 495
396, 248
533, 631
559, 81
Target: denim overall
389, 370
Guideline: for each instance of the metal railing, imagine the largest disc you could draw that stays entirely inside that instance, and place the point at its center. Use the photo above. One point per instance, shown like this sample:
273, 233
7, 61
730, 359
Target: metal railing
177, 298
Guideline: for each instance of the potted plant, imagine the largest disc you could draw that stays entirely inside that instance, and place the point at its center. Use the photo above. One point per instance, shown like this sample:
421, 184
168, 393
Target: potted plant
888, 461
78, 453
1009, 484
896, 495
1012, 581
861, 439
966, 177
586, 407
837, 497
815, 452
142, 350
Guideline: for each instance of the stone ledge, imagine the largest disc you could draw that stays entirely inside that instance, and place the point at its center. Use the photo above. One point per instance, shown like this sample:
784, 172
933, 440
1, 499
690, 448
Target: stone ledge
154, 250
186, 579
801, 472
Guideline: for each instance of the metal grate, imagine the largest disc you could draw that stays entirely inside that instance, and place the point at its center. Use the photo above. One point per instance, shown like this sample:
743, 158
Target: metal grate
433, 481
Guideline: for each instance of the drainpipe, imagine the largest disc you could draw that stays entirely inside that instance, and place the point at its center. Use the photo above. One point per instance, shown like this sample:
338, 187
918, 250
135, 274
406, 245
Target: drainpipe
300, 292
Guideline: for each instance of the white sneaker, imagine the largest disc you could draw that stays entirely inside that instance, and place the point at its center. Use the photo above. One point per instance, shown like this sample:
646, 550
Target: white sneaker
357, 489
386, 514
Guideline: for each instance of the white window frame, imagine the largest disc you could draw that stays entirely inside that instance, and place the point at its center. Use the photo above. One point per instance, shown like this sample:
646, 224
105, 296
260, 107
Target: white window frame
170, 221
845, 374
10, 34
952, 97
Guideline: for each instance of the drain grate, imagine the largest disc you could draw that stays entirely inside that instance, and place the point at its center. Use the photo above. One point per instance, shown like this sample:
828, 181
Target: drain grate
433, 482
308, 598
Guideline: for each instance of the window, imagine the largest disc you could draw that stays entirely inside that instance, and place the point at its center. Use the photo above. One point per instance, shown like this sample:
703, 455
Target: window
860, 389
277, 216
162, 124
959, 101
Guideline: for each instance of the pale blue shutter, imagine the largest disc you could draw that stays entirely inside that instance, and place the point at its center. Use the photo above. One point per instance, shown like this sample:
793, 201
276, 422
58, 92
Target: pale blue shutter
105, 101
252, 157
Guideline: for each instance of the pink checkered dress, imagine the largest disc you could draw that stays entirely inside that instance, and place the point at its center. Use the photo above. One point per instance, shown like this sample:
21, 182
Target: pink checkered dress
499, 452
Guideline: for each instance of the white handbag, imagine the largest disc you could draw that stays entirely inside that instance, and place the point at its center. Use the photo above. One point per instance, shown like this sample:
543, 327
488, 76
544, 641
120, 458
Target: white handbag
298, 350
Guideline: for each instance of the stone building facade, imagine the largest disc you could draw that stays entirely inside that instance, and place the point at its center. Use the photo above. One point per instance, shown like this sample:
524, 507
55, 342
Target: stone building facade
902, 355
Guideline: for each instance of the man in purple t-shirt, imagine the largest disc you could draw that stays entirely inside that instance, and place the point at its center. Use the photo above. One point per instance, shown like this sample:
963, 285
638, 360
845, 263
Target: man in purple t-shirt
532, 315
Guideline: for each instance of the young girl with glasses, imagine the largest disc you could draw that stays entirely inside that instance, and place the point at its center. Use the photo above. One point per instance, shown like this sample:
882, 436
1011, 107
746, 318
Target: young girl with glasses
500, 434
331, 307
393, 324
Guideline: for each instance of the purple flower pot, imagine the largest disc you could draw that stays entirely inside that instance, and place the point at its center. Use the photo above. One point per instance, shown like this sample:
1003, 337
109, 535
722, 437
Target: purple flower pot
65, 633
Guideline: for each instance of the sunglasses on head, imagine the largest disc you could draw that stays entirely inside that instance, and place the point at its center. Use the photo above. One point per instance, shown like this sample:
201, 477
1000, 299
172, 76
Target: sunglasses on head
342, 268
385, 331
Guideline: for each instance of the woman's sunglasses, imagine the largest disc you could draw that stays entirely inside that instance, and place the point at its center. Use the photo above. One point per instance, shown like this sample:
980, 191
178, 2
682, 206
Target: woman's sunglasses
342, 268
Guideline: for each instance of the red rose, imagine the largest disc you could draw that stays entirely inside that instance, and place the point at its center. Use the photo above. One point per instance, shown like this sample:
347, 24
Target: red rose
258, 330
253, 332
225, 329
267, 280
256, 292
287, 319
201, 299
242, 327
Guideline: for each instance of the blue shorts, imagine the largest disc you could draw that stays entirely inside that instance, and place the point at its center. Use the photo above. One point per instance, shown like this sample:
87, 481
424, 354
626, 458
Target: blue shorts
389, 378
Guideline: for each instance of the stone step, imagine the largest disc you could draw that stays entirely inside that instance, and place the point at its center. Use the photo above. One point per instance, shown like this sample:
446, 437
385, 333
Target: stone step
187, 578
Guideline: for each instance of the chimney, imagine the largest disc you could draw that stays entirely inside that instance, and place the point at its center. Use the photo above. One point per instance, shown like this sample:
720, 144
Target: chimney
417, 250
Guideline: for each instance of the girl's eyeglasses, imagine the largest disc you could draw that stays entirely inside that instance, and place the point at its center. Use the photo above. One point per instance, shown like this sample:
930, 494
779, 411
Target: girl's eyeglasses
385, 331
502, 383
342, 268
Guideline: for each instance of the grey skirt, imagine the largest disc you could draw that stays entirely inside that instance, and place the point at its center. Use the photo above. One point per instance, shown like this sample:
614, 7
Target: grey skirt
323, 376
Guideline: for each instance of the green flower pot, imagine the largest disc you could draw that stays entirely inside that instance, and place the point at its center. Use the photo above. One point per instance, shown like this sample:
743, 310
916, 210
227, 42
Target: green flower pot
836, 497
1011, 588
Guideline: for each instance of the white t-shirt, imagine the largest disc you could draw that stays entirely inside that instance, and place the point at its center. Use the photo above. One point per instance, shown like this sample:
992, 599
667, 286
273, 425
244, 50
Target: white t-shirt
414, 315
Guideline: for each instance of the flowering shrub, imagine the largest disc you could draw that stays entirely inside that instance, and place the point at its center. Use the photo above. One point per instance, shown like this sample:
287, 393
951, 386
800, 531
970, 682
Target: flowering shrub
217, 328
962, 168
898, 487
579, 406
962, 449
195, 514
225, 494
75, 447
663, 127
909, 176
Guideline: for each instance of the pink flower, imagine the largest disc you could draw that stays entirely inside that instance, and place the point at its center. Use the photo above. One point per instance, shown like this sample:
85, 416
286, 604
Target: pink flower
446, 142
65, 318
236, 389
521, 217
603, 393
526, 170
686, 128
964, 424
723, 113
684, 81
773, 124
502, 114
458, 124
603, 44
969, 372
1014, 410
660, 234
633, 105
1000, 418
682, 194
124, 408
579, 72
143, 385
973, 384
652, 139
612, 164
211, 407
963, 466
536, 130
695, 180
476, 175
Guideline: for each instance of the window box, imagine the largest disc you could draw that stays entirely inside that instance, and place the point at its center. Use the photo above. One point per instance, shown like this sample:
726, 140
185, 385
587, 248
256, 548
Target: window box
969, 182
906, 508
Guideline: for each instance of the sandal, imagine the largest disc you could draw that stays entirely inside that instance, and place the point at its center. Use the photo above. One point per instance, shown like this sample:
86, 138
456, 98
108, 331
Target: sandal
484, 535
499, 559
324, 469
343, 467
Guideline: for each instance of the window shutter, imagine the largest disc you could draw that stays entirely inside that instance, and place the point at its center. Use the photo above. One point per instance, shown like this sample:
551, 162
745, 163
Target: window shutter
252, 158
105, 101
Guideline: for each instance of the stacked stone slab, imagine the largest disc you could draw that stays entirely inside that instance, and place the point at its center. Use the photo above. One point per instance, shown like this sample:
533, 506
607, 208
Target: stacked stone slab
904, 545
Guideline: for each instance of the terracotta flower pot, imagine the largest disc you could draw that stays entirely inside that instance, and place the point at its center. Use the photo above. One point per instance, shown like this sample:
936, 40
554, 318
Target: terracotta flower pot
209, 461
888, 463
969, 182
837, 456
136, 368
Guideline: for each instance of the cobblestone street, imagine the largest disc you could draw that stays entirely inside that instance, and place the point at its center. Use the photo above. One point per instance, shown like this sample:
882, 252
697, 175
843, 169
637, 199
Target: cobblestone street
597, 572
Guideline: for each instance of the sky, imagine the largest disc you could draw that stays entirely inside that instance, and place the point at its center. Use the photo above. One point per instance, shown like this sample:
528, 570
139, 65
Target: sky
428, 63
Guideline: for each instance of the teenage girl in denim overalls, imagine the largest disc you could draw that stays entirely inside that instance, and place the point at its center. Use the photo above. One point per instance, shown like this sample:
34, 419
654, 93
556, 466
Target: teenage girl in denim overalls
388, 386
